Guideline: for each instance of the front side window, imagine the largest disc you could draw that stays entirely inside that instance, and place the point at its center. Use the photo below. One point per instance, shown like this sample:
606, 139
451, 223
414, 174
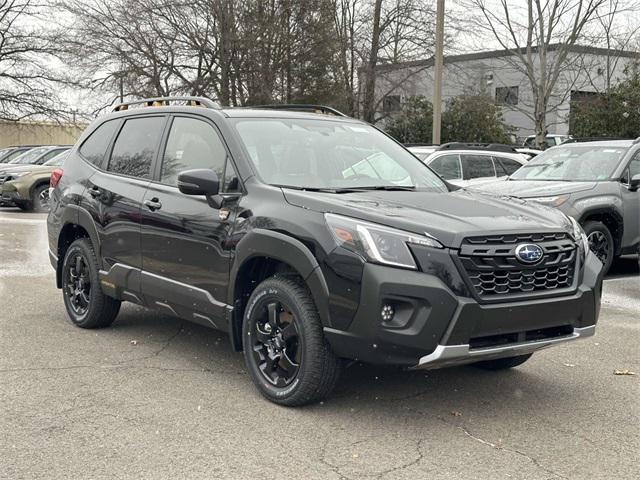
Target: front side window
192, 144
573, 162
135, 147
477, 166
327, 154
94, 148
447, 166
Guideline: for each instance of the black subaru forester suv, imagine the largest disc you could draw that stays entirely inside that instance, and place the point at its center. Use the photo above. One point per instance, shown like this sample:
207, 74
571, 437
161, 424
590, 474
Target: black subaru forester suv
312, 239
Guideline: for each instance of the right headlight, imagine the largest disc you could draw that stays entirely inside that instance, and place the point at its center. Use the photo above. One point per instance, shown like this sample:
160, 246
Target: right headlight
377, 243
579, 236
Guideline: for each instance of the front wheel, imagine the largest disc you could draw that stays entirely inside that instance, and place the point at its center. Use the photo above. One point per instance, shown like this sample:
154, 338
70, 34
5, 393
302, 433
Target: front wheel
600, 243
285, 350
40, 198
503, 363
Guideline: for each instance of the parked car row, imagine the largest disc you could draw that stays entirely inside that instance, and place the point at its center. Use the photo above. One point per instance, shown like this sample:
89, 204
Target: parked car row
24, 179
595, 182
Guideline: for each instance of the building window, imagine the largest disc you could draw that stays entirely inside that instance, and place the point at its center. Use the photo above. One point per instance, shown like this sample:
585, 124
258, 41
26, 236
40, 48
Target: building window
506, 95
391, 104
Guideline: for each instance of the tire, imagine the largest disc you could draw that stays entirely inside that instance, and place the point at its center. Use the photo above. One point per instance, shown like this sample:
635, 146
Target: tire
503, 363
86, 305
40, 198
601, 243
296, 338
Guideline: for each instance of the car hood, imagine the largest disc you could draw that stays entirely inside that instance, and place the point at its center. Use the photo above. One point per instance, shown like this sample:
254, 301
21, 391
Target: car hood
28, 168
533, 188
449, 217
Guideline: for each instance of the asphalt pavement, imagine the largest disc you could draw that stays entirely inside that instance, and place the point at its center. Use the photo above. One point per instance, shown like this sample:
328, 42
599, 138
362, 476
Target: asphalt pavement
154, 397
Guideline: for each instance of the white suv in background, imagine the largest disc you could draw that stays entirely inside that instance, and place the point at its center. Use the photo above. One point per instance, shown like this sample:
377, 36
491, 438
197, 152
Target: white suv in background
468, 165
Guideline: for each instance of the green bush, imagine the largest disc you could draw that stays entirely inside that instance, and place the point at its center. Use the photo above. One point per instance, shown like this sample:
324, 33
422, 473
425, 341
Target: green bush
467, 118
614, 115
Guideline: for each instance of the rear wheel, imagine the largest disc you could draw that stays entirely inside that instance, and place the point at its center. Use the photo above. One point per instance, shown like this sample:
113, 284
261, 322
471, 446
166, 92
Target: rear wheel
86, 305
284, 348
600, 242
503, 363
40, 198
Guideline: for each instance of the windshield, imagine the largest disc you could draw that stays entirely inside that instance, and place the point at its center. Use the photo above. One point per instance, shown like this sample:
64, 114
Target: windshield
572, 163
29, 157
323, 154
57, 160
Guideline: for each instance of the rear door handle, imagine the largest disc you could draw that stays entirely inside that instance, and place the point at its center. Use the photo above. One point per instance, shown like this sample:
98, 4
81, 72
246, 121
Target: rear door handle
153, 204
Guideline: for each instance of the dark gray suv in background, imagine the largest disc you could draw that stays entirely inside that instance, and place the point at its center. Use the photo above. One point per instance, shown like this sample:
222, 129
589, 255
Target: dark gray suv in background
313, 240
594, 182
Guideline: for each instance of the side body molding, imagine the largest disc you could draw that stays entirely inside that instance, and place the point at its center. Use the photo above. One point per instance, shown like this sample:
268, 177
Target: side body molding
278, 246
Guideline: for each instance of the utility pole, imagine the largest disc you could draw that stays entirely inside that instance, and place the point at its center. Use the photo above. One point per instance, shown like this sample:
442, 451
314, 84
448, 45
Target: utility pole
437, 74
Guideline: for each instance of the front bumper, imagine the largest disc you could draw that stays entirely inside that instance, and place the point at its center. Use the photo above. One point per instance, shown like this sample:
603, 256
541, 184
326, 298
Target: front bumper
440, 324
9, 194
452, 355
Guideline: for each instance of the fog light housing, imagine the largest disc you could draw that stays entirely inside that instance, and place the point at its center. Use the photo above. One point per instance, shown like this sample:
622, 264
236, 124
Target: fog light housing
387, 312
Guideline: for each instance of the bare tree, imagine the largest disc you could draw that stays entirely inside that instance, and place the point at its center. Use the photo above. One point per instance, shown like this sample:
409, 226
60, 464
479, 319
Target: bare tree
539, 43
27, 58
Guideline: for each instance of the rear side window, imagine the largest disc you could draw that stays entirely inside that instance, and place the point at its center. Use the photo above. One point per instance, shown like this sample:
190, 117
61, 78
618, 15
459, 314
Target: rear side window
135, 147
477, 166
447, 166
506, 166
94, 147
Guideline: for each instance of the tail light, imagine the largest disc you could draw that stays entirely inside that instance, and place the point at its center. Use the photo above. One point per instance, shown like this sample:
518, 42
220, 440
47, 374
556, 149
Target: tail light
56, 175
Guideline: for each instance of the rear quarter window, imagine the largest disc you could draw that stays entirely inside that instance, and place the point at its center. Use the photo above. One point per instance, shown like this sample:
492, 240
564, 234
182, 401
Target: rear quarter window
94, 148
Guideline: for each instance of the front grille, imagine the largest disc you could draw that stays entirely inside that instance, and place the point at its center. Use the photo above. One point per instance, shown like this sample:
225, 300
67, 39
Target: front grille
493, 270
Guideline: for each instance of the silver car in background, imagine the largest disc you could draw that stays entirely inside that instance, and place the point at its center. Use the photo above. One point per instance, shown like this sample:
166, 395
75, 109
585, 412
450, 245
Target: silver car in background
469, 165
596, 183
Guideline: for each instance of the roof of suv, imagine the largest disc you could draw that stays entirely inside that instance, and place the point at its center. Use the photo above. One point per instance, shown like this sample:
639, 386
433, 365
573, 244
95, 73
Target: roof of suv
600, 143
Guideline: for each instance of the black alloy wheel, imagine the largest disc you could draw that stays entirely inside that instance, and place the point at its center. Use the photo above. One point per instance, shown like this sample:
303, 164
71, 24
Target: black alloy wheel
78, 284
86, 304
276, 344
284, 348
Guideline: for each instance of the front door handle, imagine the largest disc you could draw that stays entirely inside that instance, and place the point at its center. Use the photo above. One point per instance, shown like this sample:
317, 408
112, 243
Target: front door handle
153, 204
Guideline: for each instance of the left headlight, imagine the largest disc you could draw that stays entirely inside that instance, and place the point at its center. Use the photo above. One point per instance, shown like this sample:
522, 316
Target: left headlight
377, 243
579, 236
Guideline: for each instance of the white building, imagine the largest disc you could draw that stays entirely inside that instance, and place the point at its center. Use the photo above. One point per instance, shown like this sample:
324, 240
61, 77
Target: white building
586, 71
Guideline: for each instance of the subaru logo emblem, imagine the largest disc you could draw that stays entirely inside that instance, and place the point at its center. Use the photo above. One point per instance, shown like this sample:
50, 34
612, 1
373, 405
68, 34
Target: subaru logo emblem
529, 253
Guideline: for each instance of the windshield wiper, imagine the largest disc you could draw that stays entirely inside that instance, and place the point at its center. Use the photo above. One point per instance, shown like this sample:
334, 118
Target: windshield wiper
389, 188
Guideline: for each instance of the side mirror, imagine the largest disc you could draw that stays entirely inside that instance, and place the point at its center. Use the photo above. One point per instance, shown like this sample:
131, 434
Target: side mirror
198, 182
634, 184
201, 182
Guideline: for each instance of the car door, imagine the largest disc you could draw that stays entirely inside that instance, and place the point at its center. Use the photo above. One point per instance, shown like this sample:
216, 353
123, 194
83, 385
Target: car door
477, 168
114, 197
184, 259
448, 167
631, 204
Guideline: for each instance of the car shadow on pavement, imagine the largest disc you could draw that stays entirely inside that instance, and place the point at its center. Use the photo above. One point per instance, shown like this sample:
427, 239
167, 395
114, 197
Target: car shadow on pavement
180, 345
627, 266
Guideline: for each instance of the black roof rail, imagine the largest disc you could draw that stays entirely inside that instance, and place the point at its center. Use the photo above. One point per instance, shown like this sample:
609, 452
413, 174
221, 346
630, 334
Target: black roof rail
637, 140
490, 147
302, 106
596, 139
421, 145
165, 101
